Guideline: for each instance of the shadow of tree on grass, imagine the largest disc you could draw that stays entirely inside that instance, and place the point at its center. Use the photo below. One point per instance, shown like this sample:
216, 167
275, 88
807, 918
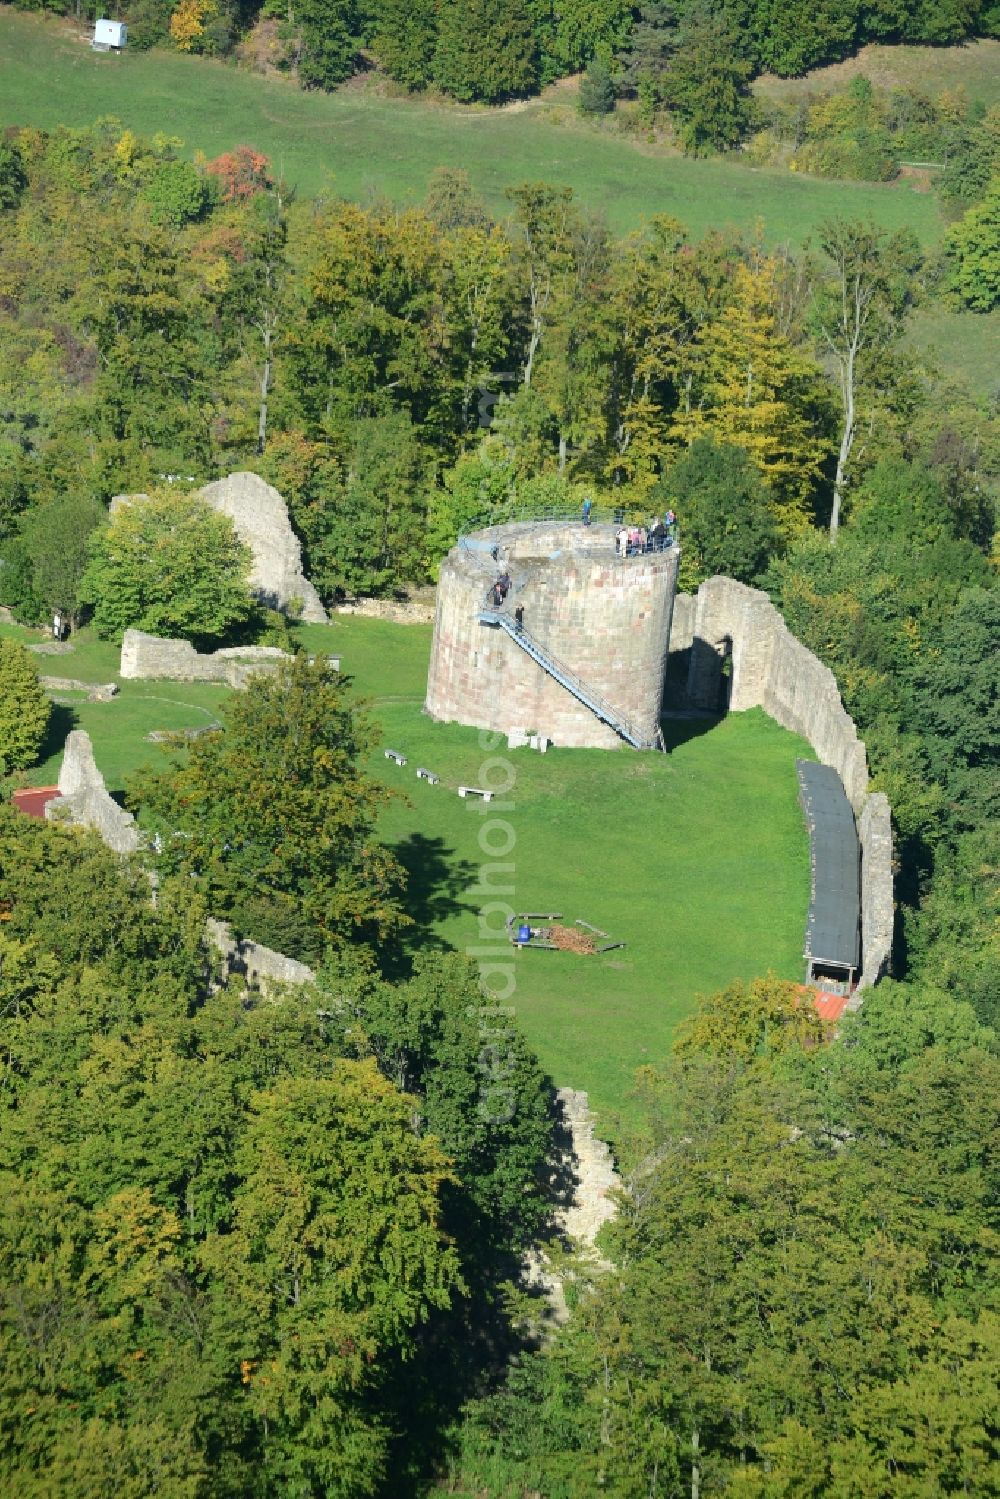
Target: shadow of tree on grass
436, 881
61, 721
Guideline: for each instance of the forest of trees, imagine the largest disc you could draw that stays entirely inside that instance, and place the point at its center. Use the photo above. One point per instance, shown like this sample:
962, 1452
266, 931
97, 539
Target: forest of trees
246, 1246
490, 50
800, 1299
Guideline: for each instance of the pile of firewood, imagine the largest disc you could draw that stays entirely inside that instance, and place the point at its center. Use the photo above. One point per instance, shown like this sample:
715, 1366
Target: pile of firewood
569, 939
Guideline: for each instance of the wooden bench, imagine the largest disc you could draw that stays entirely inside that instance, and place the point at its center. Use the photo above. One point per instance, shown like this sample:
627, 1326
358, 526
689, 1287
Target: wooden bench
487, 796
395, 756
423, 774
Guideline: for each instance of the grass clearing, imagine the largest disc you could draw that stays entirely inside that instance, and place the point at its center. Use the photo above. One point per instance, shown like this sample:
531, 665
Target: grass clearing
972, 66
697, 860
360, 145
962, 345
117, 728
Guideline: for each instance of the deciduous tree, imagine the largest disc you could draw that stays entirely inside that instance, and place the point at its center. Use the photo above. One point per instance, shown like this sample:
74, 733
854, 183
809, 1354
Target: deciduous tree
53, 540
168, 564
973, 247
754, 388
274, 819
726, 514
859, 313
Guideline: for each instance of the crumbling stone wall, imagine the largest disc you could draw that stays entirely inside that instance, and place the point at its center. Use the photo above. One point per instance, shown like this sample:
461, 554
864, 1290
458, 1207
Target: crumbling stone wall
682, 624
257, 964
399, 611
772, 670
85, 801
877, 912
260, 517
177, 660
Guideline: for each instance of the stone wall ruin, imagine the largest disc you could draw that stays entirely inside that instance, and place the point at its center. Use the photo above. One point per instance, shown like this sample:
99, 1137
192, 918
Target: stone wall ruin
258, 965
84, 800
260, 519
156, 656
727, 622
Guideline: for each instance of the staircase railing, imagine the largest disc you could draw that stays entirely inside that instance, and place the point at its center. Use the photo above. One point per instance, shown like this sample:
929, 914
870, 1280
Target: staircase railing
599, 705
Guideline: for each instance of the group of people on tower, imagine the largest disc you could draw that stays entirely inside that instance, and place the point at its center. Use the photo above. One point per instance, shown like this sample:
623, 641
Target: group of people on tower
631, 541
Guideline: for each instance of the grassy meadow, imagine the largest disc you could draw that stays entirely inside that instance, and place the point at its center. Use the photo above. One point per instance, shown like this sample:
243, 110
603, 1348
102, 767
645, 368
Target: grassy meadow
960, 346
696, 860
359, 144
972, 67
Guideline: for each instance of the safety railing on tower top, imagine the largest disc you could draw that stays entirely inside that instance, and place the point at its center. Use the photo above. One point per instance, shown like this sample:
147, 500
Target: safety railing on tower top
602, 512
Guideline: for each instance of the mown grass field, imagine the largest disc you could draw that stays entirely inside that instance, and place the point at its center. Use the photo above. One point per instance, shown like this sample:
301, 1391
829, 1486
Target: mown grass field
357, 144
697, 860
118, 727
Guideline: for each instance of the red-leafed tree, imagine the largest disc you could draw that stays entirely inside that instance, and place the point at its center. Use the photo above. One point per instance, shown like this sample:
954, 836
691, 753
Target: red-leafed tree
242, 173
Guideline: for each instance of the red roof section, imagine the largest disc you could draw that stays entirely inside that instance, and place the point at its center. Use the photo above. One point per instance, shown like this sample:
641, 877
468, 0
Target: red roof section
831, 1006
34, 799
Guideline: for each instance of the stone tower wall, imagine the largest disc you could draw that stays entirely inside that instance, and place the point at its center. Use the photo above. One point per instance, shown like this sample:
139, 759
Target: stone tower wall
606, 618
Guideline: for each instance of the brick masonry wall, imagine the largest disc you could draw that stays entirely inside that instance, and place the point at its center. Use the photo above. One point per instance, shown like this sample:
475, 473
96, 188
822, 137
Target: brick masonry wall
606, 618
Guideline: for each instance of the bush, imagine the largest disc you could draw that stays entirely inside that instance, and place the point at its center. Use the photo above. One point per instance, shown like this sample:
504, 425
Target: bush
24, 708
725, 513
13, 177
177, 194
973, 247
50, 557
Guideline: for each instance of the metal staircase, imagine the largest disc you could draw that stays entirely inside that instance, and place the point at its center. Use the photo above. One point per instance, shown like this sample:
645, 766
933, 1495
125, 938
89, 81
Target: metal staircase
598, 705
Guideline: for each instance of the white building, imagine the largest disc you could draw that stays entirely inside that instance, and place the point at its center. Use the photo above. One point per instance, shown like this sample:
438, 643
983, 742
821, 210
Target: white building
109, 36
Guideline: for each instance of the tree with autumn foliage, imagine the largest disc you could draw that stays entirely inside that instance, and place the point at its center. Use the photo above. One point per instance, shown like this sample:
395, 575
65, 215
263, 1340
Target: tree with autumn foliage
754, 388
187, 24
240, 173
743, 1021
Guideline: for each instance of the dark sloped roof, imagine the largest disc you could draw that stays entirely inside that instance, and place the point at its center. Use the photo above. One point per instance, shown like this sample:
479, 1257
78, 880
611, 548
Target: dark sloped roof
833, 930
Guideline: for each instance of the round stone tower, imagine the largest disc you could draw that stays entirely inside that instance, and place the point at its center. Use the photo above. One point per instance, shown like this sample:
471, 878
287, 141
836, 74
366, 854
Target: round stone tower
583, 665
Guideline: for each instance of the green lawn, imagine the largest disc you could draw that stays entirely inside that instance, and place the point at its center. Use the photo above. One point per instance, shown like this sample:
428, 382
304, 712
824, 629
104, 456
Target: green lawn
117, 728
962, 345
974, 68
359, 144
697, 860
